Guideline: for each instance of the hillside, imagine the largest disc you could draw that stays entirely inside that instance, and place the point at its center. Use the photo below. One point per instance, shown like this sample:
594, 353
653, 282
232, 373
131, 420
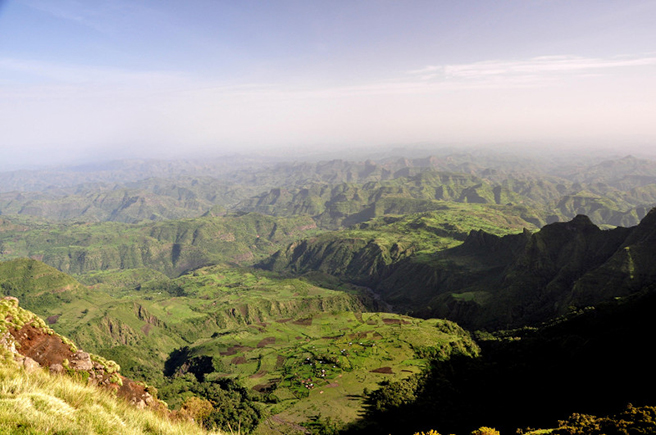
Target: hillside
78, 393
170, 247
336, 193
258, 335
322, 297
592, 362
490, 280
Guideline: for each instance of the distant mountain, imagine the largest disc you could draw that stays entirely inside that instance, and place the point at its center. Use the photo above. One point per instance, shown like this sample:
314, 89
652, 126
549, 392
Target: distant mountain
121, 171
336, 193
152, 199
171, 247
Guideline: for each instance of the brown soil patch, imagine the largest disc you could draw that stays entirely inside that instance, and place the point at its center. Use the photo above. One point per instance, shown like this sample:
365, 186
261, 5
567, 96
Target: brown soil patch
238, 360
395, 322
332, 385
258, 374
263, 387
358, 316
146, 328
266, 342
234, 349
383, 370
280, 361
303, 322
48, 350
53, 319
135, 393
41, 347
283, 320
407, 371
376, 336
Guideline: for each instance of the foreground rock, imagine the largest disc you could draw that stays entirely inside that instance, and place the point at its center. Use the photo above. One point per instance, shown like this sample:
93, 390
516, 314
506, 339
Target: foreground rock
36, 346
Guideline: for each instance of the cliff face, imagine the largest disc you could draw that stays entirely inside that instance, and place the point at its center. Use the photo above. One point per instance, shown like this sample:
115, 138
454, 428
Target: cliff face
490, 281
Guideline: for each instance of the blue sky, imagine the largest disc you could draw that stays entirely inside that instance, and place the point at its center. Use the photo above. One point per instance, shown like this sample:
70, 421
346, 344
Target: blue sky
82, 79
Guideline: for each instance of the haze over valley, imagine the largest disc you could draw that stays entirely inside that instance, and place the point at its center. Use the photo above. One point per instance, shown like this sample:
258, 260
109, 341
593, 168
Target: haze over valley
331, 218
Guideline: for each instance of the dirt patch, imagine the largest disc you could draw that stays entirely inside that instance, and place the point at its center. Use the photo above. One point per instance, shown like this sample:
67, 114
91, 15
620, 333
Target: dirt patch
53, 319
303, 322
137, 395
332, 385
280, 361
263, 388
234, 349
283, 320
238, 360
358, 316
41, 347
146, 328
376, 336
266, 342
383, 370
395, 322
258, 327
258, 374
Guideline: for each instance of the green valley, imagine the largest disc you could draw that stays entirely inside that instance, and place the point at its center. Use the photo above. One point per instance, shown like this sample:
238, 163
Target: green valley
394, 296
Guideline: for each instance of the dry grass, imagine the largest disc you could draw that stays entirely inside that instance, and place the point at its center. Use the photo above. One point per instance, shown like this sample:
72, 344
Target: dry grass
39, 403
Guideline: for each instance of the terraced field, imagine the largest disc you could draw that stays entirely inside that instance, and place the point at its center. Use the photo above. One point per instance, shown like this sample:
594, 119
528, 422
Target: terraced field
320, 364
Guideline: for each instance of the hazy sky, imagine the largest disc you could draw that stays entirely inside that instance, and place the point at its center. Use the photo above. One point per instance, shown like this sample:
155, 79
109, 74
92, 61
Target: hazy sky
91, 78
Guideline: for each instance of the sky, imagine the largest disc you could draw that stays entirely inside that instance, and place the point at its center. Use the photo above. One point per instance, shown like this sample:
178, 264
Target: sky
92, 79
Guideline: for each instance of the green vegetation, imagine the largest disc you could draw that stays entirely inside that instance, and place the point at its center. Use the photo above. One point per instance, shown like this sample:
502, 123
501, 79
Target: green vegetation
319, 364
632, 421
268, 333
591, 360
40, 403
170, 247
305, 341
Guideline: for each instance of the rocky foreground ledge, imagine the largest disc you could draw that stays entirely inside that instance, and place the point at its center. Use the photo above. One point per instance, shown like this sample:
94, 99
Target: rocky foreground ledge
35, 346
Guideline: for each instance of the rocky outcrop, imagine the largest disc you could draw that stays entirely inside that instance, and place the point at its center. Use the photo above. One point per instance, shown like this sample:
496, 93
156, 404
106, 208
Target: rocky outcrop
35, 346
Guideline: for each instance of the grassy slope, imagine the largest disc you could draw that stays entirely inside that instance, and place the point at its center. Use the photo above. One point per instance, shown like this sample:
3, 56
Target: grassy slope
36, 402
338, 353
40, 403
368, 254
260, 326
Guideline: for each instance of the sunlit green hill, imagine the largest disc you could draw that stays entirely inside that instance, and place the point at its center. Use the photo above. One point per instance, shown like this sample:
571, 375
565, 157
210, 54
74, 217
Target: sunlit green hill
170, 247
489, 280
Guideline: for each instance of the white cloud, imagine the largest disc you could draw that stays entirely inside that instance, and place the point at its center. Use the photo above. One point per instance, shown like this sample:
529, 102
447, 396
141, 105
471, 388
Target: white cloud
536, 67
